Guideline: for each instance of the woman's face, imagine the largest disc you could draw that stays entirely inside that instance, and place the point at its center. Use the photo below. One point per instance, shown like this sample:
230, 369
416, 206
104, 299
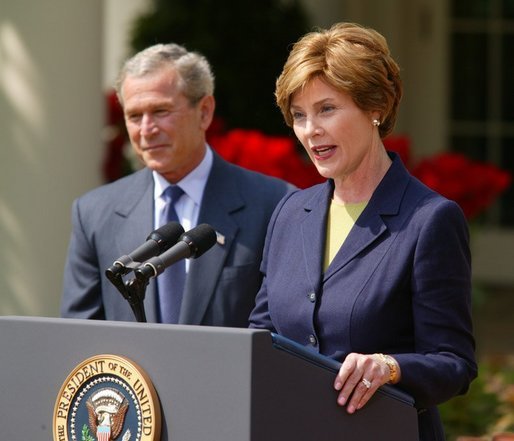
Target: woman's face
338, 136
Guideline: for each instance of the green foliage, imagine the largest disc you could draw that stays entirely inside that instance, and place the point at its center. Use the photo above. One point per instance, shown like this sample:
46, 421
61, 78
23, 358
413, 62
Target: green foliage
488, 407
85, 434
246, 41
470, 414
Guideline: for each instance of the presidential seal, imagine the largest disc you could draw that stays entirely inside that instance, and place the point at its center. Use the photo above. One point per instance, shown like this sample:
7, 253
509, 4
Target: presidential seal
107, 398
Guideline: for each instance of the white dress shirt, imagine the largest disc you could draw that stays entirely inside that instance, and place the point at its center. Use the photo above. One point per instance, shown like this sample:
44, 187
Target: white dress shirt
188, 206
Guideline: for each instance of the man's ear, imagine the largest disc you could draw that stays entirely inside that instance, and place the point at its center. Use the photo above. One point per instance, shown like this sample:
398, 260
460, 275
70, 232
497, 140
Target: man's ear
207, 106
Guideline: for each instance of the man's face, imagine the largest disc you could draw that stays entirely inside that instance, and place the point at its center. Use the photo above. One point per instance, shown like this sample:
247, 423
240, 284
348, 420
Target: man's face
165, 129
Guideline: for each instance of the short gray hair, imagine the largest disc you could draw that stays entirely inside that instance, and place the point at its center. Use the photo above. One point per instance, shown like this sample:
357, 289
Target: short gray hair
196, 79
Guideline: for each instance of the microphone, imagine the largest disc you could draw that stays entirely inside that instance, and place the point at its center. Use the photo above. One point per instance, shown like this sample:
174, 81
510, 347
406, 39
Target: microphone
157, 242
192, 244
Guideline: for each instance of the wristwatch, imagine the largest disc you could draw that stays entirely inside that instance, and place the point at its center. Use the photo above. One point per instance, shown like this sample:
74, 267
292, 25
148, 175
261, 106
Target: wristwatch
393, 367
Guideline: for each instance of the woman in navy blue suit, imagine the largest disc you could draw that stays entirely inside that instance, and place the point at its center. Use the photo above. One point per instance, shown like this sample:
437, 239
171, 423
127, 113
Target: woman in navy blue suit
372, 267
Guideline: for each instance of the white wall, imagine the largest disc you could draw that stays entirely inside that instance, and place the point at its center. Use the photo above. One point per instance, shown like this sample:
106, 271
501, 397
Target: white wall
50, 145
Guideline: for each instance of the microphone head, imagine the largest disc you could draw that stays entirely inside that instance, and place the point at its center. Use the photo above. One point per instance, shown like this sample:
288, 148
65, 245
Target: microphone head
200, 239
167, 235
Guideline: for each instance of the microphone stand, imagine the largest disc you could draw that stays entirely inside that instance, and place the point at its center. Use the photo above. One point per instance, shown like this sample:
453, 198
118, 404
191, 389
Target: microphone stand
135, 295
133, 291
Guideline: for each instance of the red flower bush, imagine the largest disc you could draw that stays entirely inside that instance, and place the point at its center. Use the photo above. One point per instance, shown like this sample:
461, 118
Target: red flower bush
473, 185
272, 155
399, 144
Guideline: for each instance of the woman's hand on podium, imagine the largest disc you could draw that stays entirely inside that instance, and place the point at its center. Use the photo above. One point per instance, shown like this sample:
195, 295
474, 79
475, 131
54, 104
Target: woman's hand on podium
361, 375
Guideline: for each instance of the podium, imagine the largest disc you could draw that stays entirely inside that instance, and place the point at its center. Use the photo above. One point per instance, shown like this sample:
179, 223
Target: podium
213, 384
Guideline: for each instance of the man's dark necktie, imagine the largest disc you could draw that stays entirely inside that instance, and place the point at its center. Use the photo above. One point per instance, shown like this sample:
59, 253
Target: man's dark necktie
170, 284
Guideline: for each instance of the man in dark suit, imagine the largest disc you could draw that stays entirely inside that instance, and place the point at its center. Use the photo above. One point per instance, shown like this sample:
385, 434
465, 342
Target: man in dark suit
167, 96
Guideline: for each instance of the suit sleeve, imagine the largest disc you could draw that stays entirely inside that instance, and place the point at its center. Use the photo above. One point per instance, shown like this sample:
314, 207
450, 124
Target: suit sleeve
81, 297
260, 316
443, 364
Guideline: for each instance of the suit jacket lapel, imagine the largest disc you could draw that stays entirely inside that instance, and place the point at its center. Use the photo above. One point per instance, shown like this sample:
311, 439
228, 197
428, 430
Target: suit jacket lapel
135, 213
313, 230
220, 199
370, 226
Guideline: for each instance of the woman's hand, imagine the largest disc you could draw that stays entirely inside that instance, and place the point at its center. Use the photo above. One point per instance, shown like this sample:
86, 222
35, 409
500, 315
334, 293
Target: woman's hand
359, 378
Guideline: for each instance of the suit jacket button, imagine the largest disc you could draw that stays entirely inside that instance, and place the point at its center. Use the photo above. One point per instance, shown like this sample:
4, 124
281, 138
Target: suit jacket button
312, 297
313, 340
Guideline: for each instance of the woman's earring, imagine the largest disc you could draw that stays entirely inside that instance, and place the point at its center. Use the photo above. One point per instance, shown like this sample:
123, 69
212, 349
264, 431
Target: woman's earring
376, 122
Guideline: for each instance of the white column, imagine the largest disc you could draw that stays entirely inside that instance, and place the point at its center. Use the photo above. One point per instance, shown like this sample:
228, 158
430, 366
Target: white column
51, 108
119, 17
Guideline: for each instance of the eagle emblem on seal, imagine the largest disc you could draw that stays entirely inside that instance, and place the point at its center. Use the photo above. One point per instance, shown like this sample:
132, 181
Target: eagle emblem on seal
106, 410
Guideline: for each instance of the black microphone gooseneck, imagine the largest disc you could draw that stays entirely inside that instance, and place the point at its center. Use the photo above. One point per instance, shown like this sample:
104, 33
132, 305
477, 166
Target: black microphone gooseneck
134, 290
191, 244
